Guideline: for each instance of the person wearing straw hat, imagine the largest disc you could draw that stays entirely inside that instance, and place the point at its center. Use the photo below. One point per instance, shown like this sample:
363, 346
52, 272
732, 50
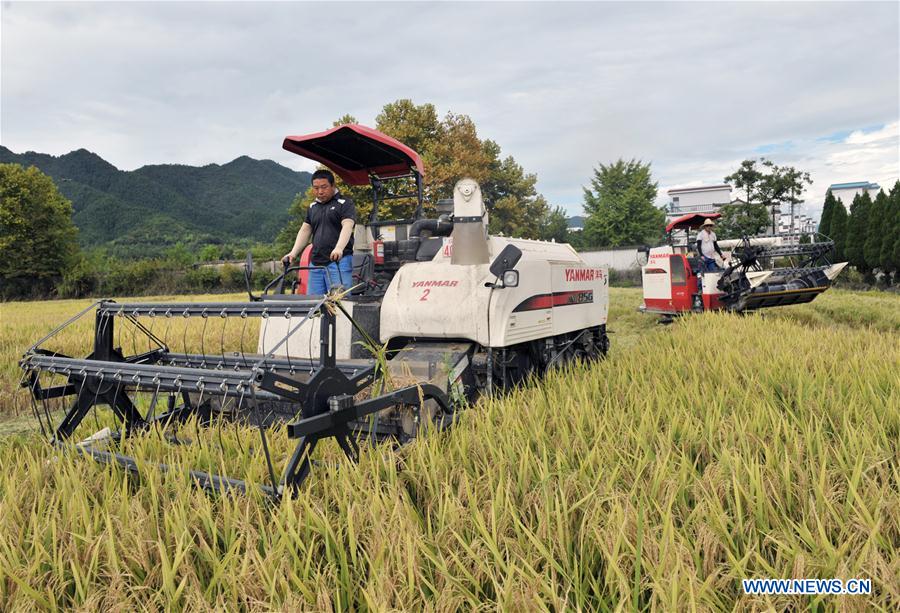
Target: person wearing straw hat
707, 247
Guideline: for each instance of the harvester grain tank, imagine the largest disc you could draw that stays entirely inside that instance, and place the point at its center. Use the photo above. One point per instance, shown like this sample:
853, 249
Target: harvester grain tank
448, 311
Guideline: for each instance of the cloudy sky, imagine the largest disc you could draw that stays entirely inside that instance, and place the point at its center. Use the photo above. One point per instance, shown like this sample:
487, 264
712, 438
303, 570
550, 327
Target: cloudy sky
691, 87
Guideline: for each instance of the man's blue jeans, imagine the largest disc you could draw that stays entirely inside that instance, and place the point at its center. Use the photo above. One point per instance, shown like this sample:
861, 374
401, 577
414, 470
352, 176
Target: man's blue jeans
710, 265
336, 273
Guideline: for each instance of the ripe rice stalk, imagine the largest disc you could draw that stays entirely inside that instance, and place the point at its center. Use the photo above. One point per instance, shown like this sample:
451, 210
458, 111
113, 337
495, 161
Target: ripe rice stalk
656, 479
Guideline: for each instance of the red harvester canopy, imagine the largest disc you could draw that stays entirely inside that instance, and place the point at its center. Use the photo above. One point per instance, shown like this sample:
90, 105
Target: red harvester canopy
354, 152
691, 220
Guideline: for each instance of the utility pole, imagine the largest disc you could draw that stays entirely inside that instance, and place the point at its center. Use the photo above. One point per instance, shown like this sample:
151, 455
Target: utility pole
792, 209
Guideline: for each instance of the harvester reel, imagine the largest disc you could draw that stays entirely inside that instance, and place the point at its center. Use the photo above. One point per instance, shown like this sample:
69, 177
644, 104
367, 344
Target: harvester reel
317, 400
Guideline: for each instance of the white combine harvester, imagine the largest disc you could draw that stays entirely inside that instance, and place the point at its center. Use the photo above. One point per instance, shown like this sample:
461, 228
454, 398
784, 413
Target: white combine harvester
449, 310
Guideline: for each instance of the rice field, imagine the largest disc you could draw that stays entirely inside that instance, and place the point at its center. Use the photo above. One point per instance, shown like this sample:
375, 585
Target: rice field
716, 449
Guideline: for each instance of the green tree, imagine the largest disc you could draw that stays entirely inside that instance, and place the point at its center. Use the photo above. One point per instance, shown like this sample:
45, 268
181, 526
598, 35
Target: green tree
210, 252
619, 205
889, 257
747, 177
451, 150
878, 226
180, 255
781, 185
577, 240
516, 207
827, 214
38, 241
742, 219
793, 182
767, 185
839, 219
857, 231
556, 226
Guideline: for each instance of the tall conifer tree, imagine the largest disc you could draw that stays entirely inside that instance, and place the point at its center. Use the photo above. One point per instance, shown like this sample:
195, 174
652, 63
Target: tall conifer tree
857, 231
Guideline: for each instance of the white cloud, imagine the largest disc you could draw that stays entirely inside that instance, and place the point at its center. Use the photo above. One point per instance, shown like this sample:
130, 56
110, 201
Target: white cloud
691, 87
884, 136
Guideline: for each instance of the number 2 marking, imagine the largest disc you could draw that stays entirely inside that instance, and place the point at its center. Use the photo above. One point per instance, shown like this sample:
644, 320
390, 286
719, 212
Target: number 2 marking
425, 295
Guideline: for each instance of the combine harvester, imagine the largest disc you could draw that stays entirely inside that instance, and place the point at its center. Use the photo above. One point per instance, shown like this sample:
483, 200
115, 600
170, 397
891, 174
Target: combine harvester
764, 272
439, 303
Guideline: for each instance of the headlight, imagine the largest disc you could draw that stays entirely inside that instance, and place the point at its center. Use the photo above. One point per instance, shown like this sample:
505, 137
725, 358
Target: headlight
511, 278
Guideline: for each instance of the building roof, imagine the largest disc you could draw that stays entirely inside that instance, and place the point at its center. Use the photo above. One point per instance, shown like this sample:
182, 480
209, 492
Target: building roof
702, 188
856, 185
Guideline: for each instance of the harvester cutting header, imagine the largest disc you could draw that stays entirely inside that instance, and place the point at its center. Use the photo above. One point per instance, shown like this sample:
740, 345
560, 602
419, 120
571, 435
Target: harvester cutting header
437, 304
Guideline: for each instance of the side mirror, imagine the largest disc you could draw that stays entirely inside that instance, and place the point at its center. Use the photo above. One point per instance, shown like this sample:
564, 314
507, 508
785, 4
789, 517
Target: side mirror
643, 255
511, 278
507, 260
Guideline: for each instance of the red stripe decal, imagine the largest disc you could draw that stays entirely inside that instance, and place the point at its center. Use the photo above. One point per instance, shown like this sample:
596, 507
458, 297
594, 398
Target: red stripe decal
556, 299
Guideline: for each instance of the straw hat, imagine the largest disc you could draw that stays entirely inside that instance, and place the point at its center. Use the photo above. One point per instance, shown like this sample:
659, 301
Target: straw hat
708, 222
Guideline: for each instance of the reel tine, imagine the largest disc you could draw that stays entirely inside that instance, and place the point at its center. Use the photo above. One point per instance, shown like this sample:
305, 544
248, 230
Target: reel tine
45, 403
219, 421
117, 330
113, 409
133, 334
150, 335
20, 386
264, 335
106, 322
94, 404
168, 316
287, 351
151, 411
77, 397
203, 338
34, 404
184, 347
197, 417
237, 434
243, 331
222, 339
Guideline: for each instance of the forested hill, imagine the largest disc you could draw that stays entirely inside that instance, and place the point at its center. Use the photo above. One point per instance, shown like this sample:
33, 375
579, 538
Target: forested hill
143, 212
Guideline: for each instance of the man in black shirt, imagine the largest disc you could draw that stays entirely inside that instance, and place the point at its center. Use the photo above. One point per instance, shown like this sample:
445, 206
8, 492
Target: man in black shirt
329, 222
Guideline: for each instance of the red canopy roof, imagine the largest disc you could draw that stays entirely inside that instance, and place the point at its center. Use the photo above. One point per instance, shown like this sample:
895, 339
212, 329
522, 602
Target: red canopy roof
691, 220
354, 152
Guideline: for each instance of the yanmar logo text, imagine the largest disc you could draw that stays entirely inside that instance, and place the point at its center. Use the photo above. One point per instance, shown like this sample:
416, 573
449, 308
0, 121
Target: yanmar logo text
584, 274
435, 283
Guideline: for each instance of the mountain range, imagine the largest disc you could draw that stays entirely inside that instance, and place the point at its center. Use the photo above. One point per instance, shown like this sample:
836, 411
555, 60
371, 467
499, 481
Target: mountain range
142, 212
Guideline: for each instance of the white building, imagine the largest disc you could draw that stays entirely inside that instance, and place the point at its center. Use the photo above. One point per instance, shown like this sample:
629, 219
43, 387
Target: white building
705, 199
846, 192
803, 224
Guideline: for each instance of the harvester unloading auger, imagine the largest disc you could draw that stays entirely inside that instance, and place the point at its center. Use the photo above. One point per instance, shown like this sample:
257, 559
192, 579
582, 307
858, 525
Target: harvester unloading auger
448, 309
